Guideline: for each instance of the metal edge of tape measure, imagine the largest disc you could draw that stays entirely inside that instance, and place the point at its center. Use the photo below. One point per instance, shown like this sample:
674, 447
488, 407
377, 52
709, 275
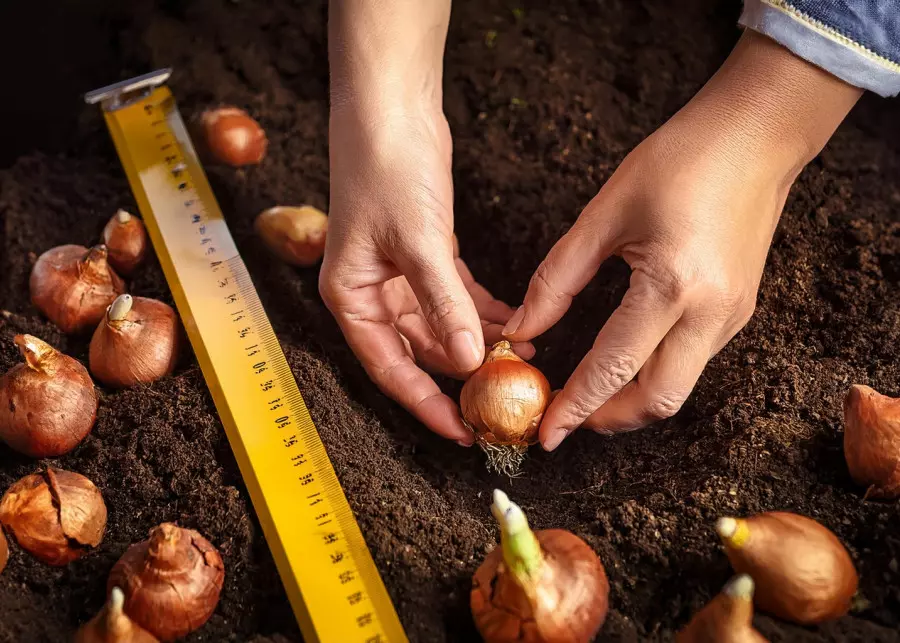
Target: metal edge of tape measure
118, 96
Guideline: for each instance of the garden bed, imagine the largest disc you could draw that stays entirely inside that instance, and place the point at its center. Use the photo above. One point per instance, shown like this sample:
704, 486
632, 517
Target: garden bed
543, 105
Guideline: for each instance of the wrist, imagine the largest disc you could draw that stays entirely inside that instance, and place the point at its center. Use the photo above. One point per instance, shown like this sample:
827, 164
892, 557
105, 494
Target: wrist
782, 108
386, 57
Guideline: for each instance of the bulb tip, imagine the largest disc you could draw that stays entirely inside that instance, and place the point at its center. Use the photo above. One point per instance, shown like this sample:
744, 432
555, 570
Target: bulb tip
116, 599
501, 500
741, 586
123, 216
726, 527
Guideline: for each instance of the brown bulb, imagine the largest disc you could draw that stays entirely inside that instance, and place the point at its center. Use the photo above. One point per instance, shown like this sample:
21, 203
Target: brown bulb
171, 581
126, 239
296, 235
728, 618
4, 552
112, 625
503, 403
232, 137
802, 571
48, 404
872, 441
73, 286
56, 516
137, 343
538, 587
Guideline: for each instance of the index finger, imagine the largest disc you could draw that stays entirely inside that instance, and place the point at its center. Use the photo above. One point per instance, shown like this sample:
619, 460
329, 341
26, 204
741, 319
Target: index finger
624, 344
380, 349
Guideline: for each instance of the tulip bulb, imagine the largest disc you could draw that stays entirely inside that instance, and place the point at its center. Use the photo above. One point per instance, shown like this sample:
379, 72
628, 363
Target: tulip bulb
137, 343
4, 551
48, 404
72, 286
872, 441
802, 571
126, 239
296, 235
112, 625
56, 516
728, 618
171, 582
232, 137
503, 403
544, 587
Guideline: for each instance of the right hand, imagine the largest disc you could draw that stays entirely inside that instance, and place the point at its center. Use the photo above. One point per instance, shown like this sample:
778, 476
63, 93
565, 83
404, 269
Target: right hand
390, 275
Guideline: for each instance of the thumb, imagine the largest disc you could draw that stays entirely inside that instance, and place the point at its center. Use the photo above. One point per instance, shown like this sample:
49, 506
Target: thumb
446, 304
564, 273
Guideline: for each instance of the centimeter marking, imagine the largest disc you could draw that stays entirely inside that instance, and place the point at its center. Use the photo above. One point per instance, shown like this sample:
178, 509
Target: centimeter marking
327, 570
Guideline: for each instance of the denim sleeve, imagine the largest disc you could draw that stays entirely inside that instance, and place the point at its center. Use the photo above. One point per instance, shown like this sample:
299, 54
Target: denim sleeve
856, 40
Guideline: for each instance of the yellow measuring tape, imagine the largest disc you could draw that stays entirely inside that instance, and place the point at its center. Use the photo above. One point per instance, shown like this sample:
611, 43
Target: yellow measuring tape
327, 570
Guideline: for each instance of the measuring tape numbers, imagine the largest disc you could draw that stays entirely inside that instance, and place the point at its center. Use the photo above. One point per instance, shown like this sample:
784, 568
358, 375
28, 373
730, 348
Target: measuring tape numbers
331, 580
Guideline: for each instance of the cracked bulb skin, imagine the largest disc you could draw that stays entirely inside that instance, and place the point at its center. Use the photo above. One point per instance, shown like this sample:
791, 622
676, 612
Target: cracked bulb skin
72, 285
872, 441
48, 404
171, 581
56, 516
801, 570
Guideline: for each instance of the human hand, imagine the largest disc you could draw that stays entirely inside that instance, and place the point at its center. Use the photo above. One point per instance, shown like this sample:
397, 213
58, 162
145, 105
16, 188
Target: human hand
692, 210
391, 277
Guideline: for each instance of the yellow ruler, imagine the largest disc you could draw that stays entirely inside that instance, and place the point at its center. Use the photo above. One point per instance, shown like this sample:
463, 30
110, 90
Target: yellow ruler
327, 570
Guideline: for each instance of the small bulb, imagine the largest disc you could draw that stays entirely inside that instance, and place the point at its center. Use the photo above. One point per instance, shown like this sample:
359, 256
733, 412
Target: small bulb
126, 239
296, 235
232, 137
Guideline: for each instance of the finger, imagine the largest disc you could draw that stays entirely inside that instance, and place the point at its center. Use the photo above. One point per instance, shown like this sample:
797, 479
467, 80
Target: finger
381, 350
489, 309
493, 333
446, 304
624, 344
566, 270
663, 384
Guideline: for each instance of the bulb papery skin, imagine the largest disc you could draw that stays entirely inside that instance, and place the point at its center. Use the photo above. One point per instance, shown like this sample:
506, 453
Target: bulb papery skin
48, 405
171, 582
231, 137
727, 618
872, 441
126, 239
296, 235
566, 603
73, 285
56, 516
802, 571
4, 552
505, 399
112, 625
139, 349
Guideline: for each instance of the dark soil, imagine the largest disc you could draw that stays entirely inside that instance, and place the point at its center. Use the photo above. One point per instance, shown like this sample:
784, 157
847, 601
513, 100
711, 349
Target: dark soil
543, 104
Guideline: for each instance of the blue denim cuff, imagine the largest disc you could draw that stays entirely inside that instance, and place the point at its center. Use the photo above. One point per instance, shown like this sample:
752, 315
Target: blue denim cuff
814, 39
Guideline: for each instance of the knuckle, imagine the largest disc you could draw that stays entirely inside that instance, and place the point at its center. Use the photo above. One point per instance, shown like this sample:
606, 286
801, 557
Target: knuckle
438, 309
613, 374
664, 405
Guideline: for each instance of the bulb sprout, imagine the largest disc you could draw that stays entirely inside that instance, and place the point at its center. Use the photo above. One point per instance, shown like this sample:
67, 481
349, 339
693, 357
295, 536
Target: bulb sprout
741, 586
726, 527
35, 352
521, 549
122, 216
120, 308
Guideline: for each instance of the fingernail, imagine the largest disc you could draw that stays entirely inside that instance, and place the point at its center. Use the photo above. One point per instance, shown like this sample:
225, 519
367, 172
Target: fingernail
555, 438
463, 443
514, 322
464, 351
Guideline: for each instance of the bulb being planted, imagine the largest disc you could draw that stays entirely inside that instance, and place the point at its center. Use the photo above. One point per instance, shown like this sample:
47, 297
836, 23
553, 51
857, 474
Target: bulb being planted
171, 581
802, 571
56, 516
137, 342
112, 625
296, 235
73, 286
728, 618
48, 404
539, 587
503, 403
872, 441
126, 239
